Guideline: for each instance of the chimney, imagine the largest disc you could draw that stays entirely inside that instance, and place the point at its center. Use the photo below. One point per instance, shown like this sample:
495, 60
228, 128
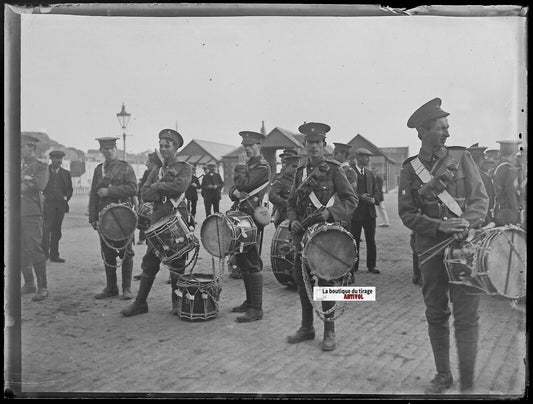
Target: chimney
263, 130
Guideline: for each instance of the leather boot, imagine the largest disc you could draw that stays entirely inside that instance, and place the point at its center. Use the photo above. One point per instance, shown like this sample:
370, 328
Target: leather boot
329, 344
244, 306
466, 340
42, 284
255, 311
139, 305
439, 337
306, 331
127, 269
111, 288
29, 282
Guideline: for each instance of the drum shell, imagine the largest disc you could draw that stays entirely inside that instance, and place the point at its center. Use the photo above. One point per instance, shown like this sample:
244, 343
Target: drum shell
117, 222
224, 234
170, 238
494, 262
282, 254
329, 250
197, 297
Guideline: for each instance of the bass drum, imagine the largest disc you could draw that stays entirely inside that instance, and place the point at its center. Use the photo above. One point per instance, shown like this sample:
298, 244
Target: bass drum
329, 250
282, 255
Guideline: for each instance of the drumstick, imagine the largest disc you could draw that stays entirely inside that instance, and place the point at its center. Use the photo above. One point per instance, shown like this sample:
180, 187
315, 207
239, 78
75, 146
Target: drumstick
448, 242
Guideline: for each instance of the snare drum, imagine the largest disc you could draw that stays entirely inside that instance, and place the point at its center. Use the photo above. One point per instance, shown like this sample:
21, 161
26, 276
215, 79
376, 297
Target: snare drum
144, 213
197, 297
494, 261
282, 254
116, 224
226, 234
329, 250
171, 238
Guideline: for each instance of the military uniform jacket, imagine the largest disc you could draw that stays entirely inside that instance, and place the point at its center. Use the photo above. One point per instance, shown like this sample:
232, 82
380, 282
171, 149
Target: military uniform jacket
333, 181
246, 178
422, 214
280, 190
192, 191
169, 181
506, 187
351, 175
365, 209
34, 175
59, 188
119, 179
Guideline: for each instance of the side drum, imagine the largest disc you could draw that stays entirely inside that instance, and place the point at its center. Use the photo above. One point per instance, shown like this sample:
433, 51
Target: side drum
229, 233
282, 255
171, 238
197, 297
116, 224
329, 250
144, 213
493, 261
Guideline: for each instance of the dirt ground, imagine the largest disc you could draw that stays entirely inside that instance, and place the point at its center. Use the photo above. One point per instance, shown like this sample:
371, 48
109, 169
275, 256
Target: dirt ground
74, 344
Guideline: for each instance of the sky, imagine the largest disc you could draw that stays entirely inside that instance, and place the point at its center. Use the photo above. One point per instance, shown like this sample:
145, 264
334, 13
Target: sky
214, 77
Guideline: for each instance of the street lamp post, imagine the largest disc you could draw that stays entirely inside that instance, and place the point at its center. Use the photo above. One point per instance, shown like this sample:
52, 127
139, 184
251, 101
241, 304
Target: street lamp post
123, 118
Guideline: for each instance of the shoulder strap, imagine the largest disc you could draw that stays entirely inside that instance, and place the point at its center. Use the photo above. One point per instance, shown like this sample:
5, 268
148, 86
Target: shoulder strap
505, 163
255, 191
314, 198
425, 176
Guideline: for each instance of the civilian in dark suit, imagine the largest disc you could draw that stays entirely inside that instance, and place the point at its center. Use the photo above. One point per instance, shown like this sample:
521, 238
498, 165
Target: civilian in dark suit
364, 216
57, 193
212, 185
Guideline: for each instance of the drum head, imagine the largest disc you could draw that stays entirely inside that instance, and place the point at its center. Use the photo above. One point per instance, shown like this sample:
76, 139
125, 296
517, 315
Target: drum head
330, 254
216, 235
117, 222
506, 263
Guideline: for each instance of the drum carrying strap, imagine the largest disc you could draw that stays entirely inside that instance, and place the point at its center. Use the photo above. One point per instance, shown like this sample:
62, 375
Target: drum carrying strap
174, 201
255, 191
314, 198
425, 176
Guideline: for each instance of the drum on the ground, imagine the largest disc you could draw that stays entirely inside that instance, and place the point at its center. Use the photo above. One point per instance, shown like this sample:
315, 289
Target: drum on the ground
197, 297
171, 238
282, 255
144, 213
116, 224
230, 233
329, 250
493, 261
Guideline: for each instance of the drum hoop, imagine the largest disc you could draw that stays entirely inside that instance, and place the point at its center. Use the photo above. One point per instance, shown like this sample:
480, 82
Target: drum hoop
322, 227
108, 208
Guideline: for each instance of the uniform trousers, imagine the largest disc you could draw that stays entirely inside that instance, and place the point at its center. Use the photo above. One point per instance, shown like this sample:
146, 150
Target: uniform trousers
437, 293
32, 254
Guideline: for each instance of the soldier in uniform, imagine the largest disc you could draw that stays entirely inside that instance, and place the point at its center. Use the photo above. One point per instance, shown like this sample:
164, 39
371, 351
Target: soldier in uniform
114, 181
34, 177
491, 158
324, 179
250, 185
281, 186
506, 185
57, 193
341, 153
154, 160
364, 216
441, 195
165, 187
212, 185
478, 156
